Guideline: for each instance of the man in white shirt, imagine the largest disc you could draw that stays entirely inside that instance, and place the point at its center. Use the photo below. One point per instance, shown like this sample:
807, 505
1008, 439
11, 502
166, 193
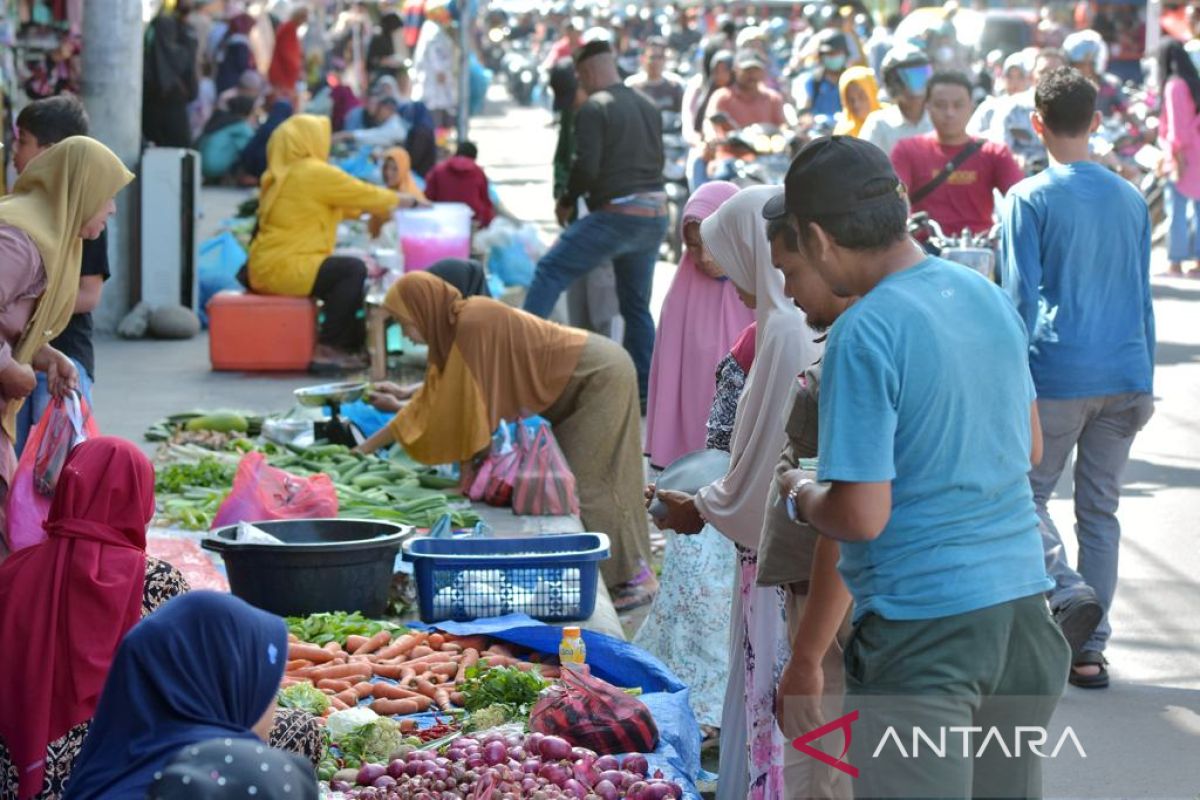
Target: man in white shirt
906, 73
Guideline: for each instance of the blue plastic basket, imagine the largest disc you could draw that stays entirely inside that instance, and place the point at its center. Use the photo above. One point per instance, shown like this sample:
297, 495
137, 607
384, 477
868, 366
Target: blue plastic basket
551, 578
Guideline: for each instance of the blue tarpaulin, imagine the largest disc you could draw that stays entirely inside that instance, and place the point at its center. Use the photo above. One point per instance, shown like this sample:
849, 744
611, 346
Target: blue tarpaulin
623, 665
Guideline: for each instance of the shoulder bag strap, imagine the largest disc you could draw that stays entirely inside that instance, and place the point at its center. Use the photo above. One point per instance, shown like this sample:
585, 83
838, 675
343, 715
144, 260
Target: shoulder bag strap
937, 180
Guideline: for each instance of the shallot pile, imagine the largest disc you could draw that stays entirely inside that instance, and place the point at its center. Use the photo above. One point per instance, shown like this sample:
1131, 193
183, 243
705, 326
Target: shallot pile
512, 767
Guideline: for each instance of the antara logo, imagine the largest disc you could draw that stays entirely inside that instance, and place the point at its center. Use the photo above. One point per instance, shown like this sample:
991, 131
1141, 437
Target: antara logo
940, 743
843, 724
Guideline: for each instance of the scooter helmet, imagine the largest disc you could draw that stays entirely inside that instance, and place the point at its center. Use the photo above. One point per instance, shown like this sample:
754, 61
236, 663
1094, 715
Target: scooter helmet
906, 69
1086, 47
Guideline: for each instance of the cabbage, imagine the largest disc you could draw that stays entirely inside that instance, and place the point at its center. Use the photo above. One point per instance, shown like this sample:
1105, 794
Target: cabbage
343, 722
304, 696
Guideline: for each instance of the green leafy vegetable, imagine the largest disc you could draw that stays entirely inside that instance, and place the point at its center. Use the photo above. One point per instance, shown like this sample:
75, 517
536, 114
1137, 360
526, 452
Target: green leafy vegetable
508, 687
207, 473
304, 696
335, 626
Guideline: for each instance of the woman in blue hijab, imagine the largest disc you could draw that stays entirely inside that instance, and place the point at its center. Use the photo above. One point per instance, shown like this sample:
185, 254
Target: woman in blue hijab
204, 666
254, 157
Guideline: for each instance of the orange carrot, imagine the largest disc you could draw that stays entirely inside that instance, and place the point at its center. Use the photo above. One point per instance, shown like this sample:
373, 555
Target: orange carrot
374, 643
338, 671
408, 725
390, 691
349, 697
364, 689
354, 641
442, 698
338, 704
402, 646
436, 640
447, 669
469, 659
458, 698
551, 672
293, 638
299, 663
387, 708
333, 686
479, 643
311, 652
499, 649
290, 681
452, 647
426, 688
422, 651
393, 671
499, 661
333, 647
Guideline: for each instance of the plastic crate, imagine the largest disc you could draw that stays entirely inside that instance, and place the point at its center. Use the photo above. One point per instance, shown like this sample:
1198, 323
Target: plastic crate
551, 578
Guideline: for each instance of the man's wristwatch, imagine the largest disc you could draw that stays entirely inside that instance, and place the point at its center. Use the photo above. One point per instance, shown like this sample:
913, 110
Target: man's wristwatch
793, 498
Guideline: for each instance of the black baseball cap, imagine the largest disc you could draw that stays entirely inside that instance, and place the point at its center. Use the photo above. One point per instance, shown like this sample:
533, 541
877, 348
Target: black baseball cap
593, 48
835, 175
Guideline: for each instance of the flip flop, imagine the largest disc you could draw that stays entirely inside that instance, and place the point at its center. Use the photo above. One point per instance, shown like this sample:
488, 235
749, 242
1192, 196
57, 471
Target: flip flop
633, 596
1089, 658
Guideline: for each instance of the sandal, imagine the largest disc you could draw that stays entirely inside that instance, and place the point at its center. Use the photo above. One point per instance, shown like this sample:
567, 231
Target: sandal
638, 592
1089, 658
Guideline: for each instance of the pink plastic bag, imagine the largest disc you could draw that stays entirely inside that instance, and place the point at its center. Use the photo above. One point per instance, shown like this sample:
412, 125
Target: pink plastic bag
66, 423
493, 482
262, 492
544, 484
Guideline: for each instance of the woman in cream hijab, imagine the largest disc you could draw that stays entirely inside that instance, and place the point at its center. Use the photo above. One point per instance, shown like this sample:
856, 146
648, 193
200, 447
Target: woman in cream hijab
63, 196
736, 505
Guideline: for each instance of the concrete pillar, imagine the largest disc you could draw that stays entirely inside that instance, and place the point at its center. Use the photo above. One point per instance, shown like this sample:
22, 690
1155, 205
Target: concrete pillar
112, 94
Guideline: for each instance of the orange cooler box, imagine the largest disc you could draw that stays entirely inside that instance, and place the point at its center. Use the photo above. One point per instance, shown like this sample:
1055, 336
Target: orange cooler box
261, 332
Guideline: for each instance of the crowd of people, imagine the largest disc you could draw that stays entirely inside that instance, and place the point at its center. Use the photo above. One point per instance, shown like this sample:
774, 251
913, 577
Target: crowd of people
894, 422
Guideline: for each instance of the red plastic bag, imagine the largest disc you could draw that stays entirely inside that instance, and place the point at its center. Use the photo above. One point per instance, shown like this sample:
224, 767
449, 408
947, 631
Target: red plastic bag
262, 492
67, 422
544, 484
493, 482
592, 713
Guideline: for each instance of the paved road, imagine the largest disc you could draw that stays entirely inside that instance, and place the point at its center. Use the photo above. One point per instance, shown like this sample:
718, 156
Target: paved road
1142, 736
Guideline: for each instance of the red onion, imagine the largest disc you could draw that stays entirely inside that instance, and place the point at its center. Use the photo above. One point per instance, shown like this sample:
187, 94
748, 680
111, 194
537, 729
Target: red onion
554, 773
384, 782
607, 790
517, 752
367, 773
533, 741
494, 753
530, 766
583, 772
582, 752
611, 775
397, 768
574, 787
636, 791
636, 763
604, 763
339, 786
554, 748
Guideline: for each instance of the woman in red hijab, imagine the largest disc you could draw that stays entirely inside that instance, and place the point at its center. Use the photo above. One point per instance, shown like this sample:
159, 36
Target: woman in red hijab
65, 605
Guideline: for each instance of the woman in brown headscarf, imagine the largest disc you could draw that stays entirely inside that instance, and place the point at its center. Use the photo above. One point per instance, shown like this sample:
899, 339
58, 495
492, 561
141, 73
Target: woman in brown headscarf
489, 362
64, 196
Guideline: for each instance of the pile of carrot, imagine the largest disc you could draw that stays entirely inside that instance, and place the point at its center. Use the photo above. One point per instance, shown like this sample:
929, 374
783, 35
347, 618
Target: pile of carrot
426, 668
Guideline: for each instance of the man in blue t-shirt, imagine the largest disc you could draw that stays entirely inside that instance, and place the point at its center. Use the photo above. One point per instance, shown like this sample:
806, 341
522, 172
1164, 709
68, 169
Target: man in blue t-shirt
928, 428
1078, 237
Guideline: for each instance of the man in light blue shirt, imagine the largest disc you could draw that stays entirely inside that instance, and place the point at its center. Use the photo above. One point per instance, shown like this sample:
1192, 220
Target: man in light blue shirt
1078, 237
928, 428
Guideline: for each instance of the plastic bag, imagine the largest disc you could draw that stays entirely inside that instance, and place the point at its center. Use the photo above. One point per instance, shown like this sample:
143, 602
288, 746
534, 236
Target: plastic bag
262, 492
221, 257
513, 250
592, 713
544, 483
493, 482
66, 423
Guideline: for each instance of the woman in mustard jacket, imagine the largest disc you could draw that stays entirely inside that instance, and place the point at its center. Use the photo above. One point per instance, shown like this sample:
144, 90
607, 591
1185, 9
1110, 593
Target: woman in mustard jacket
303, 200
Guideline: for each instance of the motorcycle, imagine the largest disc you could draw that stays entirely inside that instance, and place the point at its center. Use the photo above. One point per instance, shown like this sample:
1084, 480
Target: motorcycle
520, 71
977, 251
675, 180
761, 155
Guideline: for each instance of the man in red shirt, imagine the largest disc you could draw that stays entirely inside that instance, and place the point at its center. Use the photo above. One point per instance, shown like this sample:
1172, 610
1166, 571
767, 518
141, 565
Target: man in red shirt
963, 198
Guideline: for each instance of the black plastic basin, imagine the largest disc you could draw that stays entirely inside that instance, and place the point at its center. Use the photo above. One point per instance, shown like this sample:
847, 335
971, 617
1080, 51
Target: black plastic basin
323, 565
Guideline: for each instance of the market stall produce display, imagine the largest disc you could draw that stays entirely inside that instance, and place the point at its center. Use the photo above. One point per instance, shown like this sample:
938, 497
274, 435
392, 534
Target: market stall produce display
194, 480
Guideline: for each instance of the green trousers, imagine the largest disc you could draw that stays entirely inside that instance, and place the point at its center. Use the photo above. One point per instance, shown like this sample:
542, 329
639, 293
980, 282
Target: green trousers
996, 669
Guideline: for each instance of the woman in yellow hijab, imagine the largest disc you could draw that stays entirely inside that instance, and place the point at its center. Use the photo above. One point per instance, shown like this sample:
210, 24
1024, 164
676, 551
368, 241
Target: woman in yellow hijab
487, 362
64, 196
303, 199
397, 176
860, 96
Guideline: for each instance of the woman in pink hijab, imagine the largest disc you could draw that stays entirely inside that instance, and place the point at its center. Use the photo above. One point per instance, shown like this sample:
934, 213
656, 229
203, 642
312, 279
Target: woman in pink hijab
701, 319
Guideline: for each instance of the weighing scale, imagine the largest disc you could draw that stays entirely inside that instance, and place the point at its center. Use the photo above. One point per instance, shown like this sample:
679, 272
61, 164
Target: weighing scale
334, 430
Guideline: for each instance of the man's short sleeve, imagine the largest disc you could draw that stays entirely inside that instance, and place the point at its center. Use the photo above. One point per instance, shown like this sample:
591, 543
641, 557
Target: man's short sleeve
858, 401
95, 256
